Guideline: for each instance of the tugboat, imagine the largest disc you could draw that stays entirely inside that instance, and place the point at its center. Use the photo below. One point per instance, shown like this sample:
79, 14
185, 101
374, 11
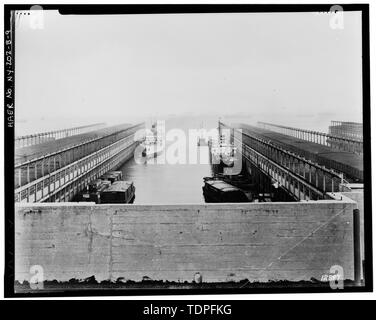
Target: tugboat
152, 150
152, 146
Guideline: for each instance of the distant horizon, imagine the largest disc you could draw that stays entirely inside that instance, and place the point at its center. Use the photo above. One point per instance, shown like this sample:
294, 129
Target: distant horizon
286, 68
317, 123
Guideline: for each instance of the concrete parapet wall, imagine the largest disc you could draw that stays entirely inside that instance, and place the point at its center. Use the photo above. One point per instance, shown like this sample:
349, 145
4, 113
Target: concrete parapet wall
223, 242
358, 197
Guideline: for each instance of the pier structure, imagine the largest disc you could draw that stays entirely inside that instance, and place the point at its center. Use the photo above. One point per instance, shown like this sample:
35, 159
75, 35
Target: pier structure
298, 169
37, 138
342, 136
56, 172
234, 245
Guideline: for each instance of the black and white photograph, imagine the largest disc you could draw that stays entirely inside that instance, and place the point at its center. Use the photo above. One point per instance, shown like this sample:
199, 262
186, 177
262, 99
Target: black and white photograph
187, 149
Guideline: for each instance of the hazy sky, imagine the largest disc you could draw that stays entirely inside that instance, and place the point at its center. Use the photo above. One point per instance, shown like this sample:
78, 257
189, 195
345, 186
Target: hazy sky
119, 65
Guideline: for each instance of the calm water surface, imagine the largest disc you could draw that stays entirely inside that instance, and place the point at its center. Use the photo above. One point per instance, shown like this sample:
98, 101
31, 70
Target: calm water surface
170, 183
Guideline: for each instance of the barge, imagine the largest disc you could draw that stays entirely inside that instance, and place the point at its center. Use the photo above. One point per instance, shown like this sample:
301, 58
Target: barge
119, 192
109, 188
216, 190
112, 176
93, 191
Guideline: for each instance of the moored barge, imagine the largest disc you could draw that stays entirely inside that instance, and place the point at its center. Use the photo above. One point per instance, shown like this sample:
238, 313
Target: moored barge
109, 188
119, 192
93, 191
216, 190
